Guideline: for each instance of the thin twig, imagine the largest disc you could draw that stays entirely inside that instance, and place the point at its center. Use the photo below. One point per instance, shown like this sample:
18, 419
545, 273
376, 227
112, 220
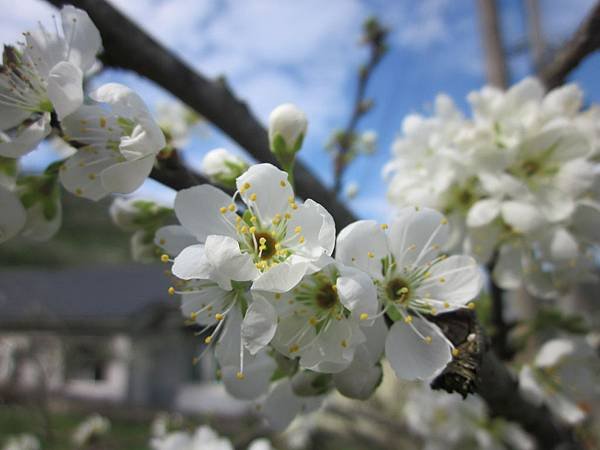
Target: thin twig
375, 36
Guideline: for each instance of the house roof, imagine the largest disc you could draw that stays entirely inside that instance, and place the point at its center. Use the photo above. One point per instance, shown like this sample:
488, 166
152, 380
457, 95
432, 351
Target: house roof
123, 296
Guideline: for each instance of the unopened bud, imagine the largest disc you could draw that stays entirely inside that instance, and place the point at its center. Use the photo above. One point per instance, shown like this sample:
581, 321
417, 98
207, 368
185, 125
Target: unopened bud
287, 128
223, 167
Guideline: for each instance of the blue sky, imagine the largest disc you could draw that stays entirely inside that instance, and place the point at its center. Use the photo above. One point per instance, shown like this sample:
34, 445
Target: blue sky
306, 52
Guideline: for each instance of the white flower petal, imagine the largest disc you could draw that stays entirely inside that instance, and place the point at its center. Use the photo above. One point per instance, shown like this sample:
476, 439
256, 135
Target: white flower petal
84, 38
363, 244
417, 235
586, 219
455, 280
13, 215
224, 254
38, 227
206, 299
553, 351
562, 245
411, 356
327, 232
555, 204
272, 188
309, 218
281, 278
65, 88
126, 177
198, 210
25, 139
357, 292
359, 380
523, 217
508, 270
80, 174
483, 212
259, 324
173, 239
191, 263
257, 377
281, 405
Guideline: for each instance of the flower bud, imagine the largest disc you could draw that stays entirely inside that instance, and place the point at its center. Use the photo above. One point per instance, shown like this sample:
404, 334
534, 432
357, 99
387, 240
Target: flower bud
223, 167
123, 213
287, 128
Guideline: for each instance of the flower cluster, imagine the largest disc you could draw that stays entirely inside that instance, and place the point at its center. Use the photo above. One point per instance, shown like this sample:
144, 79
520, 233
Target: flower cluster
42, 92
446, 421
519, 179
204, 438
90, 430
288, 321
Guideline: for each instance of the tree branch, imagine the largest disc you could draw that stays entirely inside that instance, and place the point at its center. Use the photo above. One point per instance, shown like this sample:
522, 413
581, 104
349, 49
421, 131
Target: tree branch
476, 369
585, 41
128, 47
491, 34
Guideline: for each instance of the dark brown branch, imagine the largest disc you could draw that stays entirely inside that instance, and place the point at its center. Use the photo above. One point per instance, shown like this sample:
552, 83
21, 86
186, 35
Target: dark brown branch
375, 36
476, 369
128, 47
495, 60
585, 41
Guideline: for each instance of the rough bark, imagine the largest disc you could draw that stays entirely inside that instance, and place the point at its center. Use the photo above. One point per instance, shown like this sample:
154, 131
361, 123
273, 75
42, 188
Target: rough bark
495, 58
128, 47
584, 41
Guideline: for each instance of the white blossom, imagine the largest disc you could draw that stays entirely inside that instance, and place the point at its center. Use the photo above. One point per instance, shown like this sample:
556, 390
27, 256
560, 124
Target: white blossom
44, 75
320, 321
287, 128
274, 244
22, 442
176, 120
515, 176
223, 167
412, 279
564, 376
117, 141
352, 190
91, 429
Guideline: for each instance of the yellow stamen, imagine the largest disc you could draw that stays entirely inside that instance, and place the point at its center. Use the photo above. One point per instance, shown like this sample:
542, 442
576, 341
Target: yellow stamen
171, 290
253, 197
164, 258
364, 316
219, 316
208, 339
223, 209
240, 375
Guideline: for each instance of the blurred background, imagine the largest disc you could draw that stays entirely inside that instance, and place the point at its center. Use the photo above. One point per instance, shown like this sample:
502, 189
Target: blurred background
85, 329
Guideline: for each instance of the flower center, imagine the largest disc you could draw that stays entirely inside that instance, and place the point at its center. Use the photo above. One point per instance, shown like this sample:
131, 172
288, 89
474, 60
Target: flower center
327, 296
266, 244
530, 168
398, 290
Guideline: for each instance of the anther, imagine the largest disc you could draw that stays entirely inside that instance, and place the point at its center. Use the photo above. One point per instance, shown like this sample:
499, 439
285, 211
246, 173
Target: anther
384, 226
428, 339
208, 339
371, 255
164, 258
231, 207
364, 316
471, 305
171, 290
298, 229
455, 352
408, 319
253, 197
223, 209
219, 316
240, 375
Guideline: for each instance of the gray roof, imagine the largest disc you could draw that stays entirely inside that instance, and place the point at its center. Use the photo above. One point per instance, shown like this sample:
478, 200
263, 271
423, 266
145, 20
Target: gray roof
98, 297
